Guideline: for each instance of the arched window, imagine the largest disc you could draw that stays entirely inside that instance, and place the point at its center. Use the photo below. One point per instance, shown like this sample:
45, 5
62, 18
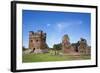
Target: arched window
31, 40
36, 40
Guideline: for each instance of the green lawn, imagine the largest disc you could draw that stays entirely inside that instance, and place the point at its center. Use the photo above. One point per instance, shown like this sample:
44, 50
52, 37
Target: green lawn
48, 57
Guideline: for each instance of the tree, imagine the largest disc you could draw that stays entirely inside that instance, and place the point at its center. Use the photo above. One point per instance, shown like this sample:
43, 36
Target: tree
57, 47
23, 48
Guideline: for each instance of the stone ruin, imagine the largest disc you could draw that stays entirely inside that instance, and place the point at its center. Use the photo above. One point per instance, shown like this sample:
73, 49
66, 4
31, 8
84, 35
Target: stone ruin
81, 47
37, 42
66, 45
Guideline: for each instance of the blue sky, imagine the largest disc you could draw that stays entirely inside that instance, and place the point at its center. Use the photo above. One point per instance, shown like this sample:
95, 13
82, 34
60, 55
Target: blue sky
56, 24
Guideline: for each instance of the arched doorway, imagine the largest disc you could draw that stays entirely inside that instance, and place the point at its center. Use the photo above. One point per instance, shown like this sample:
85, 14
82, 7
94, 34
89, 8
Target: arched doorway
33, 49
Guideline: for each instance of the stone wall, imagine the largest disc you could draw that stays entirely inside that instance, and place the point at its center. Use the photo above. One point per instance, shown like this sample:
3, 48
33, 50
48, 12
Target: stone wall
81, 47
37, 40
66, 45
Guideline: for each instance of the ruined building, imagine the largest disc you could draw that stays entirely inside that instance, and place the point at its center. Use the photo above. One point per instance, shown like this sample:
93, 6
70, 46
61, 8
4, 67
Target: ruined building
37, 41
81, 47
66, 45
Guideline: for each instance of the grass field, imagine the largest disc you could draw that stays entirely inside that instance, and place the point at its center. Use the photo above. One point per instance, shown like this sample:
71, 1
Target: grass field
27, 58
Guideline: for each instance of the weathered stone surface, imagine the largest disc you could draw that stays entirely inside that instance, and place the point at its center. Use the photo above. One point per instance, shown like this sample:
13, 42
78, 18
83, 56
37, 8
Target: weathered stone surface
66, 46
37, 41
37, 44
83, 46
80, 47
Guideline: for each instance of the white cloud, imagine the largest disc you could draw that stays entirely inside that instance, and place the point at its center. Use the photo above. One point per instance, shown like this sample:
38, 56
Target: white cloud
48, 25
60, 26
63, 25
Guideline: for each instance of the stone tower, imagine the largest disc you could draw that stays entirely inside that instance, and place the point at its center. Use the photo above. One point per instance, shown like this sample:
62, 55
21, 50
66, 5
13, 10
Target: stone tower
83, 47
37, 41
66, 46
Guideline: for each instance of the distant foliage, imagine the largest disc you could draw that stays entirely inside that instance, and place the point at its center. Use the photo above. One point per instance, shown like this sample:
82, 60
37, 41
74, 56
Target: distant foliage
23, 48
57, 46
47, 46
